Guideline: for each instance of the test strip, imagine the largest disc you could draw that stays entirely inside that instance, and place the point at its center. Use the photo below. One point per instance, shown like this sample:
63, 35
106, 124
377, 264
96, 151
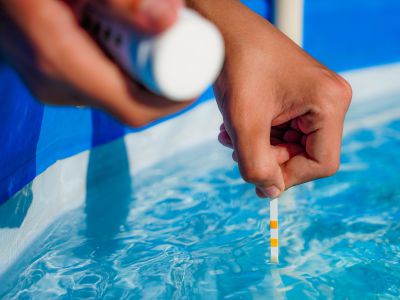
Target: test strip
274, 242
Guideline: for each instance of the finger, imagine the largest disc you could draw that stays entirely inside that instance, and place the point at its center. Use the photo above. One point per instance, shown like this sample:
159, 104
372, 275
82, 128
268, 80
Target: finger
258, 163
321, 158
91, 72
285, 152
303, 140
151, 16
277, 133
225, 140
275, 141
51, 91
307, 123
137, 106
292, 136
285, 125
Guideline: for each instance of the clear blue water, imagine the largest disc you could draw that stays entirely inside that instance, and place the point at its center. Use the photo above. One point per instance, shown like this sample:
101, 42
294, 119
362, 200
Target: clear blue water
190, 228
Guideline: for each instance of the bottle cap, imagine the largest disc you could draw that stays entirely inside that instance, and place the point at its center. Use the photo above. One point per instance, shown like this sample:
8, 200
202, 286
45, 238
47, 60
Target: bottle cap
188, 57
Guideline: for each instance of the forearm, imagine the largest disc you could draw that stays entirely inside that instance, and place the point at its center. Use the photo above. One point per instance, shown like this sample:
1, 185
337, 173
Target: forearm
230, 16
219, 11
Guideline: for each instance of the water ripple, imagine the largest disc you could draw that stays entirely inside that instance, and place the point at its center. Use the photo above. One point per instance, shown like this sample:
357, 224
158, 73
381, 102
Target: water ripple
194, 230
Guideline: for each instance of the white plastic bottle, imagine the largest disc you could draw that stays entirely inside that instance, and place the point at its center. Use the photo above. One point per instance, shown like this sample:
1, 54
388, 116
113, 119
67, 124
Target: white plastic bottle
180, 63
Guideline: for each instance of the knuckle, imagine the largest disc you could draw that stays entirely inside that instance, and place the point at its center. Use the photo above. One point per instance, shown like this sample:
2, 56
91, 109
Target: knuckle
331, 168
256, 174
346, 91
335, 91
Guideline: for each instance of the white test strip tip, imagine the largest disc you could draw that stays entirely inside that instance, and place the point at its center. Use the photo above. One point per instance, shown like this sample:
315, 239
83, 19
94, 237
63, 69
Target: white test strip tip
274, 230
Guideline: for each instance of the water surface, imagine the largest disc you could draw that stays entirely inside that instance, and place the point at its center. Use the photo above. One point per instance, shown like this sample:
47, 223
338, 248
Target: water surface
190, 228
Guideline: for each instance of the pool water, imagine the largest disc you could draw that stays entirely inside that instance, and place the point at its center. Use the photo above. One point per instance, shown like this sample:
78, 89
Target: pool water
190, 228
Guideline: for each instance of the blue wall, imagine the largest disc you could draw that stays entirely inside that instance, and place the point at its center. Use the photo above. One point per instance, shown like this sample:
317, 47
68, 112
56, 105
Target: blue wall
20, 123
351, 34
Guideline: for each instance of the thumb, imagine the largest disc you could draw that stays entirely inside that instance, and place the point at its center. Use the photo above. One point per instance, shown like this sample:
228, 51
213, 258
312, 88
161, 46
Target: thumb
258, 162
150, 16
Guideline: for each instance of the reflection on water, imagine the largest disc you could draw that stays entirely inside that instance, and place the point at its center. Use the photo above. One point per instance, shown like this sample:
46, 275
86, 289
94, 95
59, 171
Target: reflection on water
13, 212
190, 228
108, 197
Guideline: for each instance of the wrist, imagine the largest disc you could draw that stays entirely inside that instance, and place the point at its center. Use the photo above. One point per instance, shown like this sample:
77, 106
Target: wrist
235, 20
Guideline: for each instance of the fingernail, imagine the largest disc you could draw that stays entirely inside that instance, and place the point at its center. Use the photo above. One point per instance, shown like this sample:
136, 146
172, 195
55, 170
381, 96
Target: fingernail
157, 11
272, 192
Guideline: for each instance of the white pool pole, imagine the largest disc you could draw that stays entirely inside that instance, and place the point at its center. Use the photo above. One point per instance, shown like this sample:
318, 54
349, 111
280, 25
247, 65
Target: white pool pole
180, 63
289, 18
273, 223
